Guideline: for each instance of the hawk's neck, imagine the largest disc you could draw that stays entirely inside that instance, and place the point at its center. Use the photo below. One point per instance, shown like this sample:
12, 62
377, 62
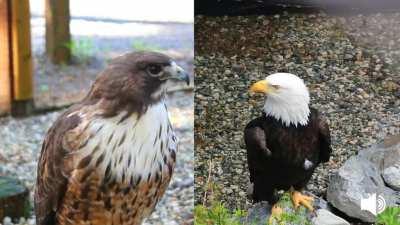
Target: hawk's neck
131, 146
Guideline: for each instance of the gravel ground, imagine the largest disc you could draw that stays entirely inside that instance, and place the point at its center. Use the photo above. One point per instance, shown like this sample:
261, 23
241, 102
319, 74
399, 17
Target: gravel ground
354, 82
21, 139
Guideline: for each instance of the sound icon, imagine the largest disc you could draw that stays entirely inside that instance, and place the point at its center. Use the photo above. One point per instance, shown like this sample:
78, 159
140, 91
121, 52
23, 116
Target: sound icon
374, 204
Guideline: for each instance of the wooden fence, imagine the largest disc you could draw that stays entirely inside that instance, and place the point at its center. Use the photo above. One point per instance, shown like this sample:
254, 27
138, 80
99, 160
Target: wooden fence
16, 79
16, 83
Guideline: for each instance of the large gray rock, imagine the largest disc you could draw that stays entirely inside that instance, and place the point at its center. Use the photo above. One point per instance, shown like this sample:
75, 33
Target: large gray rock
361, 177
391, 175
324, 217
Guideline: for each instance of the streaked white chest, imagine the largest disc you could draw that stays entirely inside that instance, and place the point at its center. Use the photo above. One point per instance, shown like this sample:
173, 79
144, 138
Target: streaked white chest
132, 147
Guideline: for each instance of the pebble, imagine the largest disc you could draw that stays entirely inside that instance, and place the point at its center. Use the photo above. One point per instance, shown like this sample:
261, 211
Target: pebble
7, 221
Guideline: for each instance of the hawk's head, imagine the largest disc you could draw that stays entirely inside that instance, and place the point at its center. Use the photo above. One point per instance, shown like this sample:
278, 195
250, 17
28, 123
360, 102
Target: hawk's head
134, 81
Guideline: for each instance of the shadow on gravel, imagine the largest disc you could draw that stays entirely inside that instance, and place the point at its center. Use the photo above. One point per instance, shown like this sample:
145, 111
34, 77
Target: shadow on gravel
268, 7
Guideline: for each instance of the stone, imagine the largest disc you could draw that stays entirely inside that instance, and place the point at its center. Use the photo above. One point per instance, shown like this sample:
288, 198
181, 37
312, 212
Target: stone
7, 220
354, 181
391, 175
238, 68
259, 213
227, 72
324, 217
249, 190
360, 177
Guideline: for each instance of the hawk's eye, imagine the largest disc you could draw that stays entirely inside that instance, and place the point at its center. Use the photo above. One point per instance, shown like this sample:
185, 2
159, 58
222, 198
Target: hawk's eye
154, 70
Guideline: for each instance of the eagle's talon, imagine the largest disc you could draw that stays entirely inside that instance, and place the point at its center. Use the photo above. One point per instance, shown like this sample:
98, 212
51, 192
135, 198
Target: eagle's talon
276, 213
300, 199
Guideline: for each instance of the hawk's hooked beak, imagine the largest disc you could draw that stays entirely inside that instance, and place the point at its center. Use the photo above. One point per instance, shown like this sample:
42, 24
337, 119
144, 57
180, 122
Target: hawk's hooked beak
261, 86
176, 72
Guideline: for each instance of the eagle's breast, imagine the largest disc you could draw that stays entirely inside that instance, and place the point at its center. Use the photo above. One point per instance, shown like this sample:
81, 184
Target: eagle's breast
122, 167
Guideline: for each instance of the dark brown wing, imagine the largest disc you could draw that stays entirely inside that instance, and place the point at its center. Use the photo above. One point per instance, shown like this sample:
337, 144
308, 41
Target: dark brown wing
53, 171
256, 144
324, 139
254, 136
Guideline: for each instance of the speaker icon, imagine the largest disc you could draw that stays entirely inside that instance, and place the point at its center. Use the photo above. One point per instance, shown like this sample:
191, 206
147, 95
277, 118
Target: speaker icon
373, 203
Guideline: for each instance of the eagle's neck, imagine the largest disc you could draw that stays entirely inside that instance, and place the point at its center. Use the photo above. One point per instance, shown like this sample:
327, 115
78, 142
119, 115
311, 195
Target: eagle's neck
290, 110
133, 146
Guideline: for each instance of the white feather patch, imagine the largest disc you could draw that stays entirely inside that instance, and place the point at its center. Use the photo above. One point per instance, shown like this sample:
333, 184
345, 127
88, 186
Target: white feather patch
307, 164
141, 142
289, 103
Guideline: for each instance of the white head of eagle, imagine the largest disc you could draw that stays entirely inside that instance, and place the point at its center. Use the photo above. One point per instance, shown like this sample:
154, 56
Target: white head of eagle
287, 98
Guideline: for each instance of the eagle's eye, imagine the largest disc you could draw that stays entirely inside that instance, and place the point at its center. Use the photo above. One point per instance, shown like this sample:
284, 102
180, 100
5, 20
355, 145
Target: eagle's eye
275, 86
154, 70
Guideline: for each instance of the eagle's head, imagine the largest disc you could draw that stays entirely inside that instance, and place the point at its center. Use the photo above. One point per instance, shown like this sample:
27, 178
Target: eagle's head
134, 81
287, 98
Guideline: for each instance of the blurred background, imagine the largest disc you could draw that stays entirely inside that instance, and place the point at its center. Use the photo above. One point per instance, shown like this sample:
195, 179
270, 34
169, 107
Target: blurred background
51, 52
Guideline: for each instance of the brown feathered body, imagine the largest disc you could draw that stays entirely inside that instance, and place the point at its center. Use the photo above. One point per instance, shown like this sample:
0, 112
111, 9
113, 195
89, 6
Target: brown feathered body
280, 156
109, 159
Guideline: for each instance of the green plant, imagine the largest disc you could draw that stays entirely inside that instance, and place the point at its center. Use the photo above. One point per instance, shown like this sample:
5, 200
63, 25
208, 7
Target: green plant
28, 208
142, 46
217, 214
293, 218
82, 48
391, 216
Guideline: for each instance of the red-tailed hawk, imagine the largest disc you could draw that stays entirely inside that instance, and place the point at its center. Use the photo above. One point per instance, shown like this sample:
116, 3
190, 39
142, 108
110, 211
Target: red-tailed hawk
108, 159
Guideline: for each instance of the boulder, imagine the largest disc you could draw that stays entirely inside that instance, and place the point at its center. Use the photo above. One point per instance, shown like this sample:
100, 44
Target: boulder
363, 177
324, 217
391, 175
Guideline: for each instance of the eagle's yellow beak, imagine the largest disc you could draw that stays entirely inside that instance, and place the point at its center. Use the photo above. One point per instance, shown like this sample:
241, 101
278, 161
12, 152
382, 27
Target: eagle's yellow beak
261, 86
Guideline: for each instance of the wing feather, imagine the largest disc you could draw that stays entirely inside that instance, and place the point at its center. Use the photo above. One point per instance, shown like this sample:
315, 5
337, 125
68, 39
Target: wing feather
324, 139
53, 170
256, 144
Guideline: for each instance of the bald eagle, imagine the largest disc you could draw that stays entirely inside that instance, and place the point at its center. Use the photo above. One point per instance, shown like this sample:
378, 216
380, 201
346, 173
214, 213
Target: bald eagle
287, 142
109, 158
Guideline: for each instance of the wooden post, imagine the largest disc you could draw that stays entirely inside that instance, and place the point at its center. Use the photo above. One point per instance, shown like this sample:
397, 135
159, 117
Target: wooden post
58, 36
21, 58
5, 66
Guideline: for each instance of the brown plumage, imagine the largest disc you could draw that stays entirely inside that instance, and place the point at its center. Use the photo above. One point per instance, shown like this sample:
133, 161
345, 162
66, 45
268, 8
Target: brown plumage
109, 159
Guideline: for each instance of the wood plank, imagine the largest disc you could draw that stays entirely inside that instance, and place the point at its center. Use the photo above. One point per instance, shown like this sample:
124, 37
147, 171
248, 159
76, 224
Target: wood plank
5, 67
21, 51
57, 30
